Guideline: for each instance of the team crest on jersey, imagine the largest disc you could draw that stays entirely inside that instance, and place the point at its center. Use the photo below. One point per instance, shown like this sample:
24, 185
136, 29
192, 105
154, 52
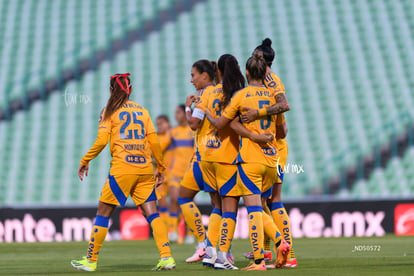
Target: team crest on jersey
213, 144
197, 100
269, 151
136, 159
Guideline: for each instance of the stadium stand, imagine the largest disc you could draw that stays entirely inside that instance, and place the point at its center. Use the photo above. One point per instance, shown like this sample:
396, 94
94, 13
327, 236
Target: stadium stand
345, 65
43, 38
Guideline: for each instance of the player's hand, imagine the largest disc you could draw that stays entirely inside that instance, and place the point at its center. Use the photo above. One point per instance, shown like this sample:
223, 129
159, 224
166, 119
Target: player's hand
189, 100
263, 138
159, 179
83, 170
249, 114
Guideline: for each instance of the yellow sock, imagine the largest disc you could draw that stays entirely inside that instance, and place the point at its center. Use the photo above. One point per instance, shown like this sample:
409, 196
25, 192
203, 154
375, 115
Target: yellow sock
271, 229
192, 217
256, 234
266, 242
228, 225
98, 234
281, 218
160, 233
164, 214
173, 222
214, 224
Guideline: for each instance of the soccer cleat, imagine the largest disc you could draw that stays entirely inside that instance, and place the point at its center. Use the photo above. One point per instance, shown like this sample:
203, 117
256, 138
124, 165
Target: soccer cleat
226, 265
165, 264
292, 263
268, 257
173, 236
282, 255
210, 257
254, 266
198, 255
83, 264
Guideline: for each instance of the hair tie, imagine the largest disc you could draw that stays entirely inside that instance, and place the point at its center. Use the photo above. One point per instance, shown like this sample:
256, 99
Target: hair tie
117, 76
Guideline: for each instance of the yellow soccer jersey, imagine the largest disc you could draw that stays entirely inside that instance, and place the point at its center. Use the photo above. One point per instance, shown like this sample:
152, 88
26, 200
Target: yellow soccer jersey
128, 131
199, 111
273, 82
183, 149
166, 147
256, 97
221, 145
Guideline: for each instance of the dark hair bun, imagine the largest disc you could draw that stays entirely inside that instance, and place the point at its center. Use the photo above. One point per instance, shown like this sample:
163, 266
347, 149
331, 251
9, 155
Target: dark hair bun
267, 42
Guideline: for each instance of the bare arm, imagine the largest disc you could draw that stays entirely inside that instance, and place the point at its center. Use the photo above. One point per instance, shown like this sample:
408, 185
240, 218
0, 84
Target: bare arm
281, 106
218, 123
242, 131
281, 131
281, 126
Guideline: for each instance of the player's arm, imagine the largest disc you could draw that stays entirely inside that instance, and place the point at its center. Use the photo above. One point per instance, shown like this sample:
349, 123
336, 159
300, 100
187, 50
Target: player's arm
218, 123
229, 113
155, 147
281, 127
281, 106
242, 131
100, 143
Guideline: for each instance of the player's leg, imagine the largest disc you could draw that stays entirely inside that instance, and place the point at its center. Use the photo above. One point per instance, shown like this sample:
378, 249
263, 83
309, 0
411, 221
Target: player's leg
250, 177
267, 193
107, 204
222, 178
162, 191
143, 195
160, 234
191, 184
174, 209
267, 240
228, 225
214, 221
97, 237
281, 218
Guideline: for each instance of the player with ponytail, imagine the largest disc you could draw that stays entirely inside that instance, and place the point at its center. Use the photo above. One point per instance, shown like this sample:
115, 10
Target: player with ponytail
255, 162
128, 128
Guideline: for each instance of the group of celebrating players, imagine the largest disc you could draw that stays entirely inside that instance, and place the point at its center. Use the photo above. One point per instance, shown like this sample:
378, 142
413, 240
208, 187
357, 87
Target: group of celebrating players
231, 144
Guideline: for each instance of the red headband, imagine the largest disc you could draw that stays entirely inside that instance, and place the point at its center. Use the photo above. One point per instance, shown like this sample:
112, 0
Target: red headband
120, 83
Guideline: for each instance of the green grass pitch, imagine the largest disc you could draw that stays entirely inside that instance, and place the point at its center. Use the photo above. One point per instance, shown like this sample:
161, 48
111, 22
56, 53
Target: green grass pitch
326, 256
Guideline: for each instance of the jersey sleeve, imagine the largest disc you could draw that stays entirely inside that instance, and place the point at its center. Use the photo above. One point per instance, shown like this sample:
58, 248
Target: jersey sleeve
274, 83
232, 109
202, 100
156, 151
149, 125
104, 132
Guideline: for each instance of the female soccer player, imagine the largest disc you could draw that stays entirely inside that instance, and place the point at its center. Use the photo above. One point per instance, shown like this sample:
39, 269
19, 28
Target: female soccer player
129, 129
273, 82
202, 77
221, 145
183, 149
255, 161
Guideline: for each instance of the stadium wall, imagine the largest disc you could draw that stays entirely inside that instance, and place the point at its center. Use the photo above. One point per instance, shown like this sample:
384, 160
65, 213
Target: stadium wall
311, 220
